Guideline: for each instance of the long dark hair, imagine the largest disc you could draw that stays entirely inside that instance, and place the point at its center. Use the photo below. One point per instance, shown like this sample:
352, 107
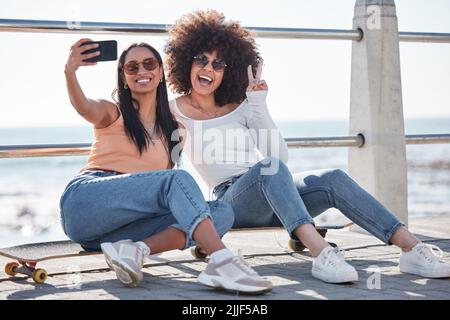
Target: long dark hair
165, 124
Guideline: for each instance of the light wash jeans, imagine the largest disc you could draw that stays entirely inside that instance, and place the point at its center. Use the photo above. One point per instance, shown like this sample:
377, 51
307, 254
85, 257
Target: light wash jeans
99, 206
283, 199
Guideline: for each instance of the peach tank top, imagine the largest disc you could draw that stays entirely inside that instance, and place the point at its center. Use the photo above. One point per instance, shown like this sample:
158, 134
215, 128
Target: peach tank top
112, 150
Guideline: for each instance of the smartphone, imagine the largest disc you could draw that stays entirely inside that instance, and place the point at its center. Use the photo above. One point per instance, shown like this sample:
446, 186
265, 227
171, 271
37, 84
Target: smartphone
108, 51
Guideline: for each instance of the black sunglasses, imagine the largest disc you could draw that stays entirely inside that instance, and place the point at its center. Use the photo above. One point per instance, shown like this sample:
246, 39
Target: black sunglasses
202, 61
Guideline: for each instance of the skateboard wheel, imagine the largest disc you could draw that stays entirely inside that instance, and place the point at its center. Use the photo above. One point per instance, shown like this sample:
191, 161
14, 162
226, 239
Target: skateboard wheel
198, 253
296, 245
9, 268
39, 275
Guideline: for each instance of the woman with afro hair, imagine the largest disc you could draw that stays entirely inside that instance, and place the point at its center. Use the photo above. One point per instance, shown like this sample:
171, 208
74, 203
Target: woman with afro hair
233, 143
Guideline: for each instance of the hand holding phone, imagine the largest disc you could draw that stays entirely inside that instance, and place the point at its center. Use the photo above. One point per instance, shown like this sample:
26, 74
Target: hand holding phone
107, 49
76, 56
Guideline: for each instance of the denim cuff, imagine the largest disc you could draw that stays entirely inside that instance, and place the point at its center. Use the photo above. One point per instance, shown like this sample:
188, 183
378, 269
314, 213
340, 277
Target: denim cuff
388, 236
189, 240
298, 223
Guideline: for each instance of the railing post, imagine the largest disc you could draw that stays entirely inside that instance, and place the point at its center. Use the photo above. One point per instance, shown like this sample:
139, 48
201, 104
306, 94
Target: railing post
376, 108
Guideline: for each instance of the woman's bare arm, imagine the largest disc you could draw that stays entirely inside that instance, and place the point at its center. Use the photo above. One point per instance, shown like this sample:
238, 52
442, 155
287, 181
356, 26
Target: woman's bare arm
101, 113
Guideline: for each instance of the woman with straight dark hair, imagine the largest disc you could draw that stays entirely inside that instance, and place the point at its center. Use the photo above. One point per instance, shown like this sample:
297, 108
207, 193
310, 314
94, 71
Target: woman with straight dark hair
128, 200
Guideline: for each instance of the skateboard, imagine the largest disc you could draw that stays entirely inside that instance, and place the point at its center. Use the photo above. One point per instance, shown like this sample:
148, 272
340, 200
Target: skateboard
27, 257
294, 245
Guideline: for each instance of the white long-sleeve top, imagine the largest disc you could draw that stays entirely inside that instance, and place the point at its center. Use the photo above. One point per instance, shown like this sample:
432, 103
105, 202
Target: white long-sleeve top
223, 147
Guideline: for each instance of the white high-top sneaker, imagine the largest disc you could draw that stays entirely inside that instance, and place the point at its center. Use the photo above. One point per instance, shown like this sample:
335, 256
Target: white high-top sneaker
423, 261
330, 266
126, 258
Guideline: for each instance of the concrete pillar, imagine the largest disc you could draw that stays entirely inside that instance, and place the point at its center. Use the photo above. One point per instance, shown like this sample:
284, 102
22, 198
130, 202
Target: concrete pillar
376, 108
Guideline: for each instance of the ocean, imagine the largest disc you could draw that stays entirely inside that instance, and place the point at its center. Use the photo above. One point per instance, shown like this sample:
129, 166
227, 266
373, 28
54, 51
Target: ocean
30, 188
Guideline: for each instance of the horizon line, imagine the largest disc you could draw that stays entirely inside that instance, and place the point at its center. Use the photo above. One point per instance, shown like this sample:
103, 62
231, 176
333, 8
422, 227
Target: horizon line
438, 118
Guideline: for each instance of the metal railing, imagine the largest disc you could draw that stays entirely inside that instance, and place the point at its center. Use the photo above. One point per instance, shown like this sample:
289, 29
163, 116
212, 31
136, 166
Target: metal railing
50, 26
53, 26
80, 149
60, 26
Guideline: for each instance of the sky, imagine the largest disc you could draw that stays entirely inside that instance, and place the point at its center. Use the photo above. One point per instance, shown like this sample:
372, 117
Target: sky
308, 79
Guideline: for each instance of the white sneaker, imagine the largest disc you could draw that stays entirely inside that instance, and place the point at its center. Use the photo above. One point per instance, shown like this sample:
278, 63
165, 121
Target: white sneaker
423, 261
126, 258
234, 274
330, 266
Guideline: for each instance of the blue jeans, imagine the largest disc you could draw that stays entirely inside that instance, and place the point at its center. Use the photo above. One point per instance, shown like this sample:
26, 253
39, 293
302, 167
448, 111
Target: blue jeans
99, 206
283, 199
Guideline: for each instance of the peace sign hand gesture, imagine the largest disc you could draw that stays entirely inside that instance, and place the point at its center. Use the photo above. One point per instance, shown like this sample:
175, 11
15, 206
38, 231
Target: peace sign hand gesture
254, 82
